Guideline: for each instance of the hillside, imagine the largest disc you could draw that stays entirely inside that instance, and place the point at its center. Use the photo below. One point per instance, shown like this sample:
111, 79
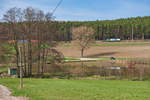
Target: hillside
126, 29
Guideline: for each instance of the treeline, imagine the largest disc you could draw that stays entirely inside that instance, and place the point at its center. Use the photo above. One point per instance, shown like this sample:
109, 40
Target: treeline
32, 36
126, 29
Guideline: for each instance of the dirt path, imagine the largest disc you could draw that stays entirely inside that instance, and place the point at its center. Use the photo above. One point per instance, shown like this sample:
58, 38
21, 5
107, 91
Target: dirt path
5, 94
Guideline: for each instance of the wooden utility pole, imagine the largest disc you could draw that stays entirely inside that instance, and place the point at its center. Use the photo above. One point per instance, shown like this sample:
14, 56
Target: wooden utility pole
20, 66
132, 33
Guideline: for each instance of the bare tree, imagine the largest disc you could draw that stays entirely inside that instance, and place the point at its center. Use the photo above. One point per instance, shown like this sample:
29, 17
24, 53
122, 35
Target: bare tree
39, 20
83, 36
29, 18
12, 17
24, 27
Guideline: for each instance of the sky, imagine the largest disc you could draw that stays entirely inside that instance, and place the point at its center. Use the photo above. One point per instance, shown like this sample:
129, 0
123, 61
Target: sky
84, 10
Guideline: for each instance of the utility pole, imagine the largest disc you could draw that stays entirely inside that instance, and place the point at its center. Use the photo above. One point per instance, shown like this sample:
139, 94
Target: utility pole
20, 66
132, 33
143, 27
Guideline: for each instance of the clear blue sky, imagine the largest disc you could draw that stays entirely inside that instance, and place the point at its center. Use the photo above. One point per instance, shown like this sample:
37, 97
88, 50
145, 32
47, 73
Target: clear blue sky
84, 9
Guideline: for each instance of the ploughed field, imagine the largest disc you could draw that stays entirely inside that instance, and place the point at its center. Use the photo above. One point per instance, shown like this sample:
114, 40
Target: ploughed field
56, 89
108, 49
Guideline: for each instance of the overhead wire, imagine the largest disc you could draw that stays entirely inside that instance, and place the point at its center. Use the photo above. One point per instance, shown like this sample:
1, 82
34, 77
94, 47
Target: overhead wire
59, 3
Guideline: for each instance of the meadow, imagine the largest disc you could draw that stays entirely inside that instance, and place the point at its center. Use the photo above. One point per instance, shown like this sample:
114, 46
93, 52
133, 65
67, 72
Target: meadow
88, 88
56, 89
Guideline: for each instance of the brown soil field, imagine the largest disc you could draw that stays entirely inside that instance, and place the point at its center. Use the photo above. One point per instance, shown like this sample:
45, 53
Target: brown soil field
135, 51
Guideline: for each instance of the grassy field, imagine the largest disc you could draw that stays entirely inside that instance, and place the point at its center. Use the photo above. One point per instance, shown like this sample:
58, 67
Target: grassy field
53, 89
3, 69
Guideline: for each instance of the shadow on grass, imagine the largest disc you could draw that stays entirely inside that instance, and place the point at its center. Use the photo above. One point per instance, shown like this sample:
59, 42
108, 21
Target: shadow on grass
101, 54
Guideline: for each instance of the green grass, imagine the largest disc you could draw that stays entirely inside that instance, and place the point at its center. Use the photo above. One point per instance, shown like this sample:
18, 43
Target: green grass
114, 44
70, 58
3, 69
108, 58
52, 89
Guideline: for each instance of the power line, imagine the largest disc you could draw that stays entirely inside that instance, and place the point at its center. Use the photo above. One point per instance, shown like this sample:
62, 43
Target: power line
59, 3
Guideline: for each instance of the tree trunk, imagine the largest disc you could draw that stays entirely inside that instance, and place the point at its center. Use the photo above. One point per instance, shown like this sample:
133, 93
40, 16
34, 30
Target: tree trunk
30, 59
20, 65
39, 51
143, 36
43, 59
17, 55
82, 51
39, 58
46, 55
24, 56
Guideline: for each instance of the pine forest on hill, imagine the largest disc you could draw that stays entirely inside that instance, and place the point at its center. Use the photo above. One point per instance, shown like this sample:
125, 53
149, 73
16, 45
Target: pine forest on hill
125, 29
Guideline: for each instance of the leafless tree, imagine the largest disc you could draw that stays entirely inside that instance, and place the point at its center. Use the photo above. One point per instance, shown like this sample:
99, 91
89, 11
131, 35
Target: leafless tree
24, 27
12, 17
83, 36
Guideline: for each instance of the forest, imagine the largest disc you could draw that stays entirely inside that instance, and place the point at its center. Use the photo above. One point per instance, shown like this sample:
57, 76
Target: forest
126, 29
120, 28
